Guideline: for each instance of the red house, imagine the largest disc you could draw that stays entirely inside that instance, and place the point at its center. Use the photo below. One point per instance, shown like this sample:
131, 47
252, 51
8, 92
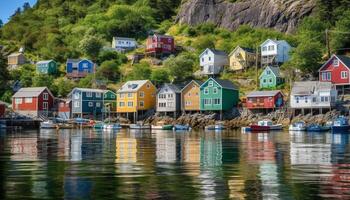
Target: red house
160, 44
64, 108
34, 101
2, 109
336, 70
265, 100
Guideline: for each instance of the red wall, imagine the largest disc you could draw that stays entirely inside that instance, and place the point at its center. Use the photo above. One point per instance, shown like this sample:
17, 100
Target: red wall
64, 107
160, 44
41, 100
36, 105
2, 110
335, 72
264, 102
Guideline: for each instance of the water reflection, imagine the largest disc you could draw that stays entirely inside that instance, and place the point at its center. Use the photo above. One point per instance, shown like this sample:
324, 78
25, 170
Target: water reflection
84, 164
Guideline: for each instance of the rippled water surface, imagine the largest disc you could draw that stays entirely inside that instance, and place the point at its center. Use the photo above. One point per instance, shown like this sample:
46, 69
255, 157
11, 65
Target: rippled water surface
83, 164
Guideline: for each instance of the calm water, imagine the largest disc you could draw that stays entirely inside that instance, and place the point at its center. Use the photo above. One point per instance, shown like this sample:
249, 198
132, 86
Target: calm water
83, 164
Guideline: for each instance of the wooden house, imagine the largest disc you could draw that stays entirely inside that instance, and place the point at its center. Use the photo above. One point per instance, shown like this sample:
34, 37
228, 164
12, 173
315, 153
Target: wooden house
242, 58
270, 78
160, 45
2, 109
34, 101
274, 52
313, 95
265, 100
169, 99
212, 61
218, 95
190, 96
123, 44
15, 59
87, 103
46, 67
336, 71
110, 102
64, 108
136, 97
79, 68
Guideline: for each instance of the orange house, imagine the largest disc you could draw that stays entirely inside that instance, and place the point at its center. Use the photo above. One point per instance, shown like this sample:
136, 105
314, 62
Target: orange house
136, 96
190, 96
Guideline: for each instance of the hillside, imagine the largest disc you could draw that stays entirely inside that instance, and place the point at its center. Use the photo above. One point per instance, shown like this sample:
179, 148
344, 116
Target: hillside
58, 29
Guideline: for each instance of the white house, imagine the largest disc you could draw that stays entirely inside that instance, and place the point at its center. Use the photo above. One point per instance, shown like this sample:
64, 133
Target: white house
313, 95
169, 99
274, 52
212, 61
124, 44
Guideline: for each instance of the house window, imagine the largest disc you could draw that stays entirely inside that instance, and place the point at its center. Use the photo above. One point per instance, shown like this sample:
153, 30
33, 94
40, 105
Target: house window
206, 91
335, 62
98, 104
148, 86
142, 103
189, 94
188, 103
344, 74
46, 96
170, 95
268, 72
130, 104
45, 105
171, 104
297, 99
91, 104
76, 96
76, 104
314, 99
202, 59
18, 101
142, 94
98, 95
121, 104
209, 58
207, 101
270, 80
88, 94
326, 99
112, 96
121, 95
210, 84
306, 100
28, 100
215, 90
264, 48
217, 101
162, 105
264, 80
326, 76
129, 95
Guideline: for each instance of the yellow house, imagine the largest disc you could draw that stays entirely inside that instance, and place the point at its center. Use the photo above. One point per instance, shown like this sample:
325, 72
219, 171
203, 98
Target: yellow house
135, 96
241, 58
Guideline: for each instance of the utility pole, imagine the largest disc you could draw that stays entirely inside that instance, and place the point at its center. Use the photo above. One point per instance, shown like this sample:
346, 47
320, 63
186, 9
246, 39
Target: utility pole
327, 43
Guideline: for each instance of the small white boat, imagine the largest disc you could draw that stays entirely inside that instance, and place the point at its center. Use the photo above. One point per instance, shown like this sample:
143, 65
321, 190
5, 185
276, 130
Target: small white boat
162, 126
139, 126
111, 126
266, 125
49, 124
298, 126
216, 127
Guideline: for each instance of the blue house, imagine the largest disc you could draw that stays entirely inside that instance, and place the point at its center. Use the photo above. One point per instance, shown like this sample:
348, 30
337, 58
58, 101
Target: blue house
79, 68
87, 103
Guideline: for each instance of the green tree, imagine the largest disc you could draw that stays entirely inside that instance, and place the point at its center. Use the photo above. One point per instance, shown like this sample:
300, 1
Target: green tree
307, 57
91, 45
160, 76
340, 36
204, 42
42, 80
141, 71
108, 70
180, 67
63, 86
86, 82
111, 55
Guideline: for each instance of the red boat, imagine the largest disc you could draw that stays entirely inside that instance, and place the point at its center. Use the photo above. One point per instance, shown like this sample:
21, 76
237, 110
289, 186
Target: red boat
265, 125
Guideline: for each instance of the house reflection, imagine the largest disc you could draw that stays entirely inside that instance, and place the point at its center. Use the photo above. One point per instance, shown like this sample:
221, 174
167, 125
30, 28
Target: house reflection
23, 149
126, 149
165, 147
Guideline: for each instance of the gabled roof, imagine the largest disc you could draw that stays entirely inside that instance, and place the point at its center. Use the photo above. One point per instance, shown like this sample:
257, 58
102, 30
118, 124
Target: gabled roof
223, 83
309, 87
342, 58
244, 49
198, 83
164, 36
78, 60
277, 42
44, 62
275, 71
123, 38
89, 90
132, 86
15, 54
215, 52
264, 93
171, 87
30, 92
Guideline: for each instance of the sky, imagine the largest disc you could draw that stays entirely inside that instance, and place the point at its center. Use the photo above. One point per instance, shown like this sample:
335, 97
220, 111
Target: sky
8, 7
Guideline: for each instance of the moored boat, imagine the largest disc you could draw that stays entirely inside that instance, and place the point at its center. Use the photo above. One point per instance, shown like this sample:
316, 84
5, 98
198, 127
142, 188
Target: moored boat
340, 124
266, 125
179, 127
298, 126
317, 128
49, 124
216, 127
139, 126
111, 126
162, 126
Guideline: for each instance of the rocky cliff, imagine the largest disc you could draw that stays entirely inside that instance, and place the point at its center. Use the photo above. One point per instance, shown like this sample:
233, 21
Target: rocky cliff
282, 15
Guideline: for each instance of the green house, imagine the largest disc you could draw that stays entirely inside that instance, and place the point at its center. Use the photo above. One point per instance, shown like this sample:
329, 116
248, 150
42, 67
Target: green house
46, 67
110, 101
218, 95
270, 77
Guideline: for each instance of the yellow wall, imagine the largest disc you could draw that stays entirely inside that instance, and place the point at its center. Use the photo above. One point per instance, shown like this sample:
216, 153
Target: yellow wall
149, 99
237, 64
191, 94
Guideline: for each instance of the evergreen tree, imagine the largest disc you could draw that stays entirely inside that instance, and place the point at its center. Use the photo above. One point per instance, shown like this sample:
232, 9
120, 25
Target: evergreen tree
26, 6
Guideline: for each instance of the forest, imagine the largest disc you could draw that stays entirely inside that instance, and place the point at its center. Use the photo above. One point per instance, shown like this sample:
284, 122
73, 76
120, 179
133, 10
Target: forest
60, 29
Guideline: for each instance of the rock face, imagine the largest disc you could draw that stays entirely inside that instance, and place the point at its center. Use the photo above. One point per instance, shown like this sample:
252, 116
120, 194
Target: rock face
282, 15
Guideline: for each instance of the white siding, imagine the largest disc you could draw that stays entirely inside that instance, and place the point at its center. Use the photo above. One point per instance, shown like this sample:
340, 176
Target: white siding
123, 43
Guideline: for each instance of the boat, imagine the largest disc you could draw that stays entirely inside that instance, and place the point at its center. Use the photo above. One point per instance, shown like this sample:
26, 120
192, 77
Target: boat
139, 126
245, 129
111, 127
49, 124
216, 127
266, 125
179, 127
98, 126
317, 128
340, 124
162, 126
298, 126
